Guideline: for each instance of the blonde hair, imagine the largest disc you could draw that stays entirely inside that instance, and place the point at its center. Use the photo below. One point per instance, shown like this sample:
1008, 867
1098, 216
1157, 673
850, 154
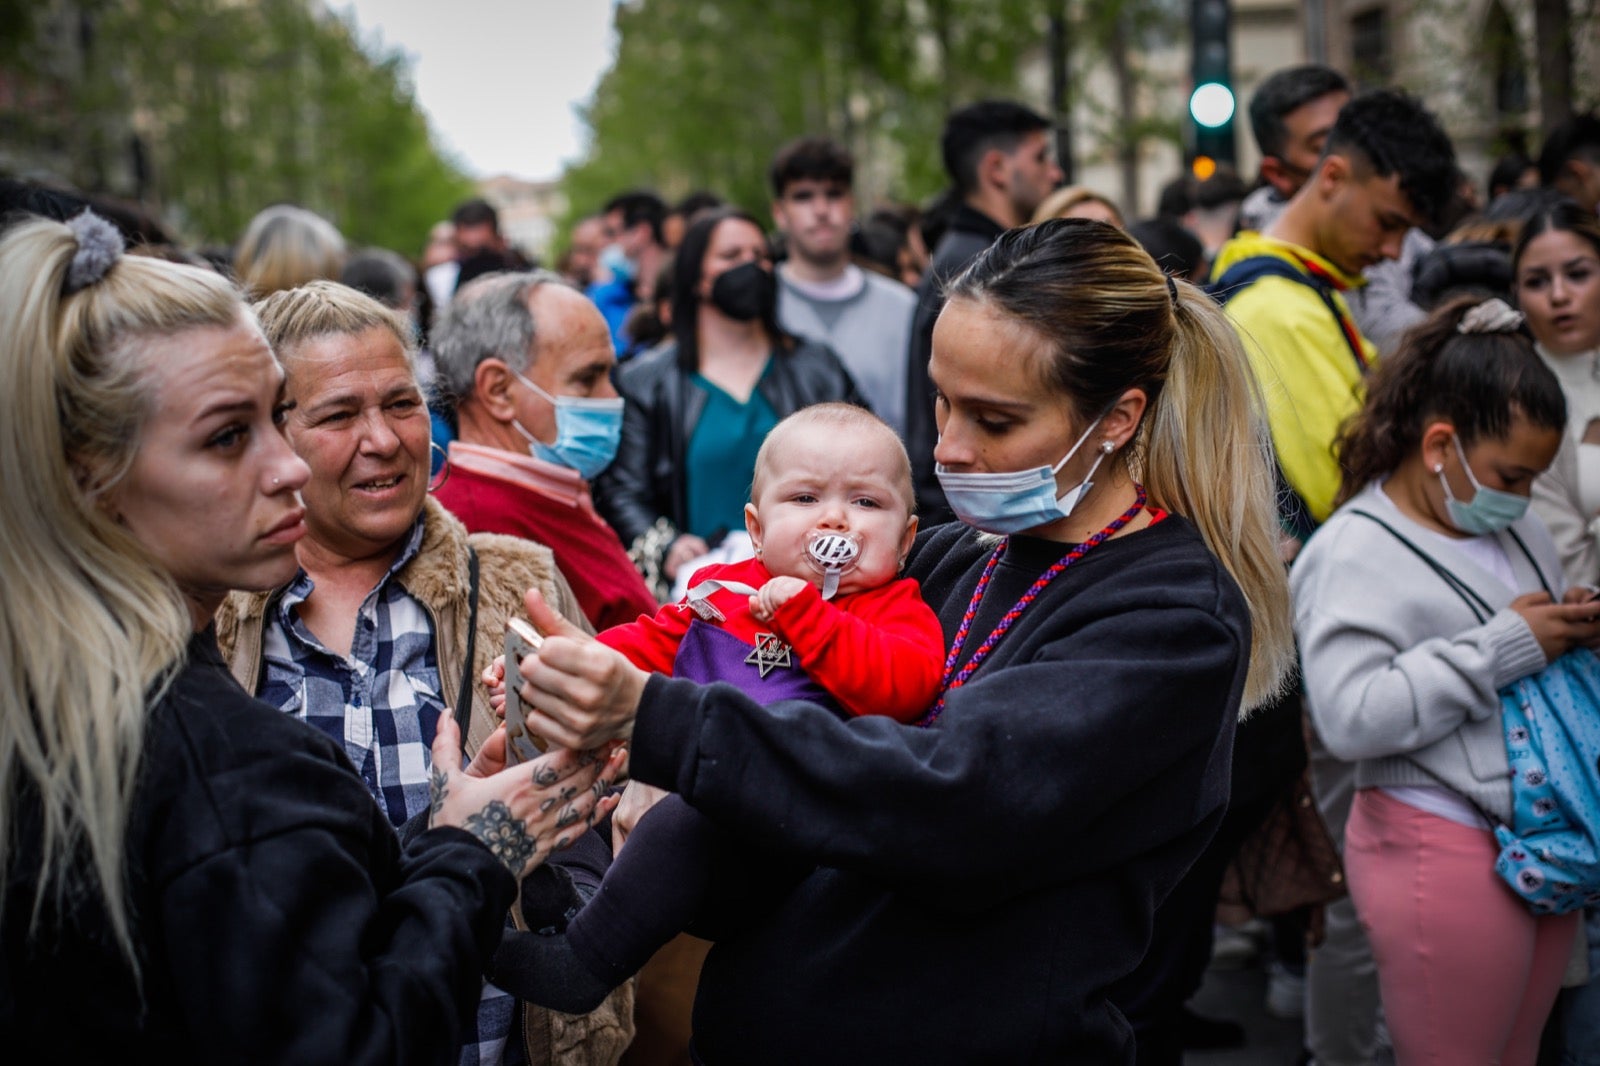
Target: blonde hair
326, 309
1058, 203
90, 624
845, 416
1113, 321
285, 246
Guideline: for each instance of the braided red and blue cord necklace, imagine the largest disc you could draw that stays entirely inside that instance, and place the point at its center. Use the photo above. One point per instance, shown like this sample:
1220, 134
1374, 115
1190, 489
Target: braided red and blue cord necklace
954, 679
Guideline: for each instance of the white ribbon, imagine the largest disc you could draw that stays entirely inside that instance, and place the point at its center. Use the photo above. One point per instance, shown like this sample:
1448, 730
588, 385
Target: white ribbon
700, 597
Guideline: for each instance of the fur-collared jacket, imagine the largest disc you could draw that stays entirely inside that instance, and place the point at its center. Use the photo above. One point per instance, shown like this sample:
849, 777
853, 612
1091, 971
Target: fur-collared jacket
438, 577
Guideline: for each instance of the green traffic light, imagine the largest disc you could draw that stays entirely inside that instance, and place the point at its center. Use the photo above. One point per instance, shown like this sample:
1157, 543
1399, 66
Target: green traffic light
1211, 104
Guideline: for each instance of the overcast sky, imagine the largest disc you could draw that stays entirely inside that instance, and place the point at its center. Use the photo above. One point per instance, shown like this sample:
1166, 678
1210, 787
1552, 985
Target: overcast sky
499, 78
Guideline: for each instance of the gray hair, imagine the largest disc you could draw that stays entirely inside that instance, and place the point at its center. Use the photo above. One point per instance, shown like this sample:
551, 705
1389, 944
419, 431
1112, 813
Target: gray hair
488, 319
284, 247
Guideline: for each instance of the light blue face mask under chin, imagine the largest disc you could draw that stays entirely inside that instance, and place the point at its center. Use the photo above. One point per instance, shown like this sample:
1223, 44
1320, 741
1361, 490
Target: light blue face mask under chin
587, 432
1489, 510
614, 259
1014, 501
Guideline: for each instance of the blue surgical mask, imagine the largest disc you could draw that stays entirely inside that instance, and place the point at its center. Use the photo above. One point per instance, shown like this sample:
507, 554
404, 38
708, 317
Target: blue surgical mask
1489, 510
1008, 503
587, 432
614, 259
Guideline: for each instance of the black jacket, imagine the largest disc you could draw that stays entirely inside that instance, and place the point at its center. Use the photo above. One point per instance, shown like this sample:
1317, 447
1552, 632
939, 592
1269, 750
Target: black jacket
969, 234
978, 885
647, 481
276, 917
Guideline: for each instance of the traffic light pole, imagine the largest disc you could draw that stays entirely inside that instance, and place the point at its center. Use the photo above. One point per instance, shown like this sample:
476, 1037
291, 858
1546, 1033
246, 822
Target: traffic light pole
1211, 100
1061, 86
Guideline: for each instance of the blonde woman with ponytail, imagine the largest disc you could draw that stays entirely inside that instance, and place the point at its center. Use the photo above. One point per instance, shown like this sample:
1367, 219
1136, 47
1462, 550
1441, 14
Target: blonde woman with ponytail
187, 874
973, 887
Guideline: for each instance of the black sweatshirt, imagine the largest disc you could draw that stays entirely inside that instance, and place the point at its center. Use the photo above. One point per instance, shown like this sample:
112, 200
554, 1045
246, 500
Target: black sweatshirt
979, 884
277, 918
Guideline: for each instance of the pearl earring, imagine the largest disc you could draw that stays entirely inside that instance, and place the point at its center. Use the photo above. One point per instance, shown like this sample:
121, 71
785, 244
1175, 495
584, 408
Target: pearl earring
1107, 447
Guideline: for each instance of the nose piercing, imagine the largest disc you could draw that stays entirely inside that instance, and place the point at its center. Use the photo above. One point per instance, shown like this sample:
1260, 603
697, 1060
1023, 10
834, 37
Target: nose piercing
276, 482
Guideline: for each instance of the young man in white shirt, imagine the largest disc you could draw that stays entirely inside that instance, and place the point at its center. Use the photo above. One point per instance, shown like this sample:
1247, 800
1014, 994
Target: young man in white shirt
865, 317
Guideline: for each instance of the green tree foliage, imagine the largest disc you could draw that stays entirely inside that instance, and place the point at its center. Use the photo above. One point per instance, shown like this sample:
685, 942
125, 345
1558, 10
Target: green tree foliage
703, 92
241, 105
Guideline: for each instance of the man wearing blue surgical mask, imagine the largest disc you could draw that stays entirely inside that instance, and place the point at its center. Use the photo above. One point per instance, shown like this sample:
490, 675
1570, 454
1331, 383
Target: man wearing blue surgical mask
527, 361
631, 260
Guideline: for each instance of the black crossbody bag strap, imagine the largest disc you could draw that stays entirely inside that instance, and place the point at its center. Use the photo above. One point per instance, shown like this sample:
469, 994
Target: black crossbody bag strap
1477, 604
1528, 555
463, 710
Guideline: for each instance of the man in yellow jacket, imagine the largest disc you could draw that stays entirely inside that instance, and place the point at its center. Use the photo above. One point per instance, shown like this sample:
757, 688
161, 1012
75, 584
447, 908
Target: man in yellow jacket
1387, 166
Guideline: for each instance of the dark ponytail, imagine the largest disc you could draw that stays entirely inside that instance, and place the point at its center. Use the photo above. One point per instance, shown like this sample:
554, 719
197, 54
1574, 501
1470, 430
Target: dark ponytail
1475, 381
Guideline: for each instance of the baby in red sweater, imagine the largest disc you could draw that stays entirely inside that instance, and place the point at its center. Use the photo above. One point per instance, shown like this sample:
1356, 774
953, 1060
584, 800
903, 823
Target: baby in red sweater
819, 614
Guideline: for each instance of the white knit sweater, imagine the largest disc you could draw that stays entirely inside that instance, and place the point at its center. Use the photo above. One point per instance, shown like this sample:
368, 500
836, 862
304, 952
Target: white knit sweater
1567, 496
1401, 678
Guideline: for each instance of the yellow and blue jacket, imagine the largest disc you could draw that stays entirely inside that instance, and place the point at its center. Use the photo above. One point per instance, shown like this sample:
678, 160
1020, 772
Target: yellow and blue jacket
1308, 354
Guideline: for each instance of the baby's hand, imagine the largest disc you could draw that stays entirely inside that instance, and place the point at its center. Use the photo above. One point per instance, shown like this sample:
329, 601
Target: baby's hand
494, 679
774, 594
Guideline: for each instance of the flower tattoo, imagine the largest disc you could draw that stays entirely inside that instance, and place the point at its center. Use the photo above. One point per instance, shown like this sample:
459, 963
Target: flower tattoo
506, 836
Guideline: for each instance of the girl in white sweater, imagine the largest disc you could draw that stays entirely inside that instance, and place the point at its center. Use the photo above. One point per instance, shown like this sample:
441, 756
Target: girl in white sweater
1427, 591
1556, 267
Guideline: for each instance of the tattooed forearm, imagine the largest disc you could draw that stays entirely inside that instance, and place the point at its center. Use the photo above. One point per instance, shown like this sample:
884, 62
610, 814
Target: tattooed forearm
506, 836
438, 789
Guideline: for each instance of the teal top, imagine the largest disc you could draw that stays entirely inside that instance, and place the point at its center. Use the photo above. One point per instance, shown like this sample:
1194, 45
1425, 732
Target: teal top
721, 457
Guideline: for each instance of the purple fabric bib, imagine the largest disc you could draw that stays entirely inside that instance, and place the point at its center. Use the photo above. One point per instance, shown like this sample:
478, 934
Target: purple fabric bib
708, 653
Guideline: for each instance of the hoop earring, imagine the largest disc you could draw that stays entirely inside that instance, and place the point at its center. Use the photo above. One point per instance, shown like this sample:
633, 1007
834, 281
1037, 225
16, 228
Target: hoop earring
444, 468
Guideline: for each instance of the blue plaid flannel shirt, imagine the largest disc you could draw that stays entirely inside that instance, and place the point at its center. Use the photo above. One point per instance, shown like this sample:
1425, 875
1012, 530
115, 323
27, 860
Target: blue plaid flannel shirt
382, 703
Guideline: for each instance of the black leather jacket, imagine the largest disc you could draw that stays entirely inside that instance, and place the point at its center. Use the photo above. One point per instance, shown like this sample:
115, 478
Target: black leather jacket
643, 494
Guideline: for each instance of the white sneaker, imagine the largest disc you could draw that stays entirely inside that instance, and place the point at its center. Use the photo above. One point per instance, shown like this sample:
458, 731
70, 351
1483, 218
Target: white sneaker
1233, 948
1286, 992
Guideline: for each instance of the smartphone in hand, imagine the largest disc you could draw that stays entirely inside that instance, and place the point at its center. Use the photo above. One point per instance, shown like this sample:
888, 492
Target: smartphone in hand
521, 640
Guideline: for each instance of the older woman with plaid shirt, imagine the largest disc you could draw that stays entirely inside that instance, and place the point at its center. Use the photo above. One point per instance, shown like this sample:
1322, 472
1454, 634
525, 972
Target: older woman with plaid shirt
395, 609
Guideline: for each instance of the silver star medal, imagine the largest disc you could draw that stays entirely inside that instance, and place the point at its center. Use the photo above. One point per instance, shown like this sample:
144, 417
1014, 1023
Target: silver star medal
769, 653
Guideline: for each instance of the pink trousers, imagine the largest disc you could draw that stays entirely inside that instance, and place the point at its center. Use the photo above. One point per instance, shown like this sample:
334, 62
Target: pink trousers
1468, 974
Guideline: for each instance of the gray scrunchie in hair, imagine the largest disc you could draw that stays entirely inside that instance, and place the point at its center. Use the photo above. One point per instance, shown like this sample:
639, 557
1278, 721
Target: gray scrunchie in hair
99, 246
1492, 316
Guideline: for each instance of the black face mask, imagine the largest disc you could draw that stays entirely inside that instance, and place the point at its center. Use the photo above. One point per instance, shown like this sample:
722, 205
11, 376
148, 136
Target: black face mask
748, 291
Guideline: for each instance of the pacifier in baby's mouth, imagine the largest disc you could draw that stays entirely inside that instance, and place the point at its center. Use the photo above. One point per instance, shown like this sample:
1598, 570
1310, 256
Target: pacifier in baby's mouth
833, 555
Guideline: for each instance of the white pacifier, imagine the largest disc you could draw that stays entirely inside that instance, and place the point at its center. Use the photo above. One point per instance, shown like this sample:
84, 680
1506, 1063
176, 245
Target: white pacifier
833, 555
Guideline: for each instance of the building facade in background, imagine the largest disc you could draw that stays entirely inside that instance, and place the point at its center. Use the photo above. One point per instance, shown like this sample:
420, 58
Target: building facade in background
1474, 62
